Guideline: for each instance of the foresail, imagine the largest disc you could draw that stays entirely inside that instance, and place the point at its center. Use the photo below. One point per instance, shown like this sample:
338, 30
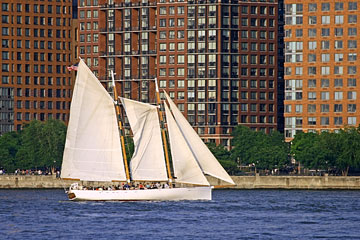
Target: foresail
208, 163
147, 162
186, 168
92, 148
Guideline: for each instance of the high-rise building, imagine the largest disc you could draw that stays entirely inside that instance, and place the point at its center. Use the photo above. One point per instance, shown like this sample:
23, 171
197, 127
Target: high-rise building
321, 65
217, 59
36, 47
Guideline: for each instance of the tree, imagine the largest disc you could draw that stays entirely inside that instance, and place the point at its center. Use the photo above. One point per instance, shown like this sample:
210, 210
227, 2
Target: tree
307, 148
28, 154
350, 149
52, 143
9, 145
328, 150
265, 151
38, 145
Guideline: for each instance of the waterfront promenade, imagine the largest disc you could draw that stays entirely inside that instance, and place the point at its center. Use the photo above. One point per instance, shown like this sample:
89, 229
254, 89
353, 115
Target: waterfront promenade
242, 182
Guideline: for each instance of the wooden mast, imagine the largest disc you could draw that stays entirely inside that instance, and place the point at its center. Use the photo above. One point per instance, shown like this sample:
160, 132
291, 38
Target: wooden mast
121, 128
163, 135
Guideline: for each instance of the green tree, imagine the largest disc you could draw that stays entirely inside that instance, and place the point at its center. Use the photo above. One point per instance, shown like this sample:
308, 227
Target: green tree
52, 143
350, 149
38, 145
9, 145
129, 148
265, 151
331, 146
30, 143
307, 148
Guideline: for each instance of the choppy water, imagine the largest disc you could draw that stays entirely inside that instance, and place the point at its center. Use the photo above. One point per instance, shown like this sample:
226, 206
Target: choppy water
232, 214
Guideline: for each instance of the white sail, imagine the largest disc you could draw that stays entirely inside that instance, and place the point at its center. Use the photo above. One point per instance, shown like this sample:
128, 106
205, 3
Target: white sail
92, 149
186, 168
147, 162
208, 163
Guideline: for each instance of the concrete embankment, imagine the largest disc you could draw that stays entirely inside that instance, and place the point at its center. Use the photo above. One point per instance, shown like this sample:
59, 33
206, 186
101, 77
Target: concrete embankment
242, 182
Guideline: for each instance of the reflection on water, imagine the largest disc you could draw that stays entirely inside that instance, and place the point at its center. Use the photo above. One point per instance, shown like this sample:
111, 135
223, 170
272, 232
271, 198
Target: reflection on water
233, 214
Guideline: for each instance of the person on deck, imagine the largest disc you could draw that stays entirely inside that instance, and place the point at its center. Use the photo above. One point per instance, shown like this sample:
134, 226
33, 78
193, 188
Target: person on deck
126, 186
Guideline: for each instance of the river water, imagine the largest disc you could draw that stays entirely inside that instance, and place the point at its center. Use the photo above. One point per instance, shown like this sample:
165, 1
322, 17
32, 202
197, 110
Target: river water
232, 214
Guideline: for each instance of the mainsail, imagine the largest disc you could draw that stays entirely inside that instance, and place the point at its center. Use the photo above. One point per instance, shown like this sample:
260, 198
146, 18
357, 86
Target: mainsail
147, 162
208, 163
92, 149
186, 169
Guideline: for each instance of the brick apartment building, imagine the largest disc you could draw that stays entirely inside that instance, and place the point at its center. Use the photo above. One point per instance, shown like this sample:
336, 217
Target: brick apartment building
37, 44
321, 65
218, 60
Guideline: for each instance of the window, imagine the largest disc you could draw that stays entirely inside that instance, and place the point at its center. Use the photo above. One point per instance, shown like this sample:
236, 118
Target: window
326, 44
352, 57
351, 120
351, 70
339, 19
352, 6
338, 120
338, 95
311, 108
339, 32
312, 7
312, 58
162, 10
352, 44
351, 82
339, 6
325, 83
311, 121
338, 82
298, 33
324, 120
324, 96
312, 20
351, 108
181, 10
312, 83
325, 19
352, 31
325, 32
351, 95
5, 31
312, 45
339, 70
325, 7
339, 57
325, 70
338, 108
352, 18
311, 95
325, 57
162, 22
324, 108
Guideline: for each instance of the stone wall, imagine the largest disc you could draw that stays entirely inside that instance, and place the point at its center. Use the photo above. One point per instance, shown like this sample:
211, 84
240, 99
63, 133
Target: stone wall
242, 182
292, 182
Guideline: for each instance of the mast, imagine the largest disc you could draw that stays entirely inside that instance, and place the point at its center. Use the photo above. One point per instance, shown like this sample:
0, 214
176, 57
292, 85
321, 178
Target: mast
121, 128
163, 134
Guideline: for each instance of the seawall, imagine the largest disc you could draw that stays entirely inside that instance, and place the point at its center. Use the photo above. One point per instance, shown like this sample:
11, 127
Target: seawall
242, 182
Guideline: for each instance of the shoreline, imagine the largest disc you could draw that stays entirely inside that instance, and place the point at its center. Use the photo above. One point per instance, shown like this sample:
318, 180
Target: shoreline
242, 182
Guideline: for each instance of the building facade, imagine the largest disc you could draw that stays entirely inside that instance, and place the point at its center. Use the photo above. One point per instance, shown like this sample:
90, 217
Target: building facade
217, 59
36, 49
321, 65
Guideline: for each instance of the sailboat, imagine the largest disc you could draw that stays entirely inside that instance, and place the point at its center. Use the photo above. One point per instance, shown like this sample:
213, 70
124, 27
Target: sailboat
94, 148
